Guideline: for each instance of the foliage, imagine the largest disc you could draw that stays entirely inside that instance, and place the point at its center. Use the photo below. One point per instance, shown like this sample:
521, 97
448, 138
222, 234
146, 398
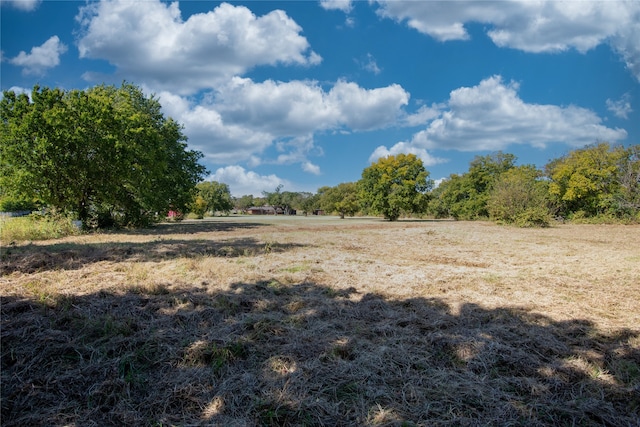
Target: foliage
106, 154
310, 203
36, 227
215, 197
245, 202
519, 197
8, 204
596, 180
626, 201
289, 201
342, 198
198, 207
465, 196
394, 184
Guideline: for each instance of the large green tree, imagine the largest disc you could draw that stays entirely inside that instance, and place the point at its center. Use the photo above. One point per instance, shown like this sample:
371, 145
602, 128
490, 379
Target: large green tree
465, 196
106, 154
343, 198
216, 196
395, 184
588, 180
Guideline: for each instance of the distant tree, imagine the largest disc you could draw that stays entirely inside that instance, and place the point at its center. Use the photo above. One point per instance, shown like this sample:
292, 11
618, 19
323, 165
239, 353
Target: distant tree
106, 154
465, 196
245, 202
274, 198
199, 206
627, 199
395, 184
588, 180
310, 203
520, 197
216, 196
342, 199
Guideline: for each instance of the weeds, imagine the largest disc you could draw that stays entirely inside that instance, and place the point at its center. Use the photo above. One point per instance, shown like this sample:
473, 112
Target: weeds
36, 227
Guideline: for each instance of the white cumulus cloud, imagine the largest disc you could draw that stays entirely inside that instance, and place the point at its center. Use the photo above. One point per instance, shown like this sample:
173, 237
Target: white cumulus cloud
491, 116
531, 26
242, 182
41, 57
150, 42
242, 118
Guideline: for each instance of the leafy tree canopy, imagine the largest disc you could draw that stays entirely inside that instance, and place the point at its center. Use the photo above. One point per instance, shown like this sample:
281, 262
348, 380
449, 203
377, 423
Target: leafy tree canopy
216, 196
519, 196
342, 198
465, 196
595, 180
394, 184
106, 154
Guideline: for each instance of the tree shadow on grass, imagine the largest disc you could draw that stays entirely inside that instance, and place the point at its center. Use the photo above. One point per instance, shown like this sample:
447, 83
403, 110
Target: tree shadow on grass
271, 353
71, 256
207, 225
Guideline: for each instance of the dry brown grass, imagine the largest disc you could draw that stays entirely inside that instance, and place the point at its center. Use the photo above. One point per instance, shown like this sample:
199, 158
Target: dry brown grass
318, 321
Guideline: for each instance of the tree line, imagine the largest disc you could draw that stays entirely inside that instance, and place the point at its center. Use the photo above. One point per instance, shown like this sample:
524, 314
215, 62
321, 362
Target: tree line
599, 182
108, 156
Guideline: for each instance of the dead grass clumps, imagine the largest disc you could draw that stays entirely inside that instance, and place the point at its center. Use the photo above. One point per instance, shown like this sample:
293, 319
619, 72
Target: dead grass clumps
295, 336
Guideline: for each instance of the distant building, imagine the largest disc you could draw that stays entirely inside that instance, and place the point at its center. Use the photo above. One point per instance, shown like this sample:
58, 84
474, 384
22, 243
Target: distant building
261, 210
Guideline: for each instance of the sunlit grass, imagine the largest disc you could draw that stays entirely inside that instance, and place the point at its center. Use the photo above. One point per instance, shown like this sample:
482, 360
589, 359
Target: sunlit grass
35, 228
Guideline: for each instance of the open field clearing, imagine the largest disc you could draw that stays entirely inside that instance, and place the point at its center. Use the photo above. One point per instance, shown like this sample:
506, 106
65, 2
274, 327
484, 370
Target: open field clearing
245, 321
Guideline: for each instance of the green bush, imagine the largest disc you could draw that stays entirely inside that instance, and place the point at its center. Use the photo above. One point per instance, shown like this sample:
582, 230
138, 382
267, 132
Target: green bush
14, 205
533, 217
36, 227
519, 197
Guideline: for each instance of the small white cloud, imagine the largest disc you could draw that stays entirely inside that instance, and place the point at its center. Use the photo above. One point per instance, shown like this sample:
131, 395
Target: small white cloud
620, 108
41, 57
242, 181
370, 64
311, 168
26, 5
344, 5
405, 148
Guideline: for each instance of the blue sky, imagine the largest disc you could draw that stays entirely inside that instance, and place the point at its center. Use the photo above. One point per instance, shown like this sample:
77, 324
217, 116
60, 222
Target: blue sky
308, 93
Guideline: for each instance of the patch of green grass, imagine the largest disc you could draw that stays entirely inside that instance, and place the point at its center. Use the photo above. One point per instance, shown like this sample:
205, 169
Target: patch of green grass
296, 268
35, 228
214, 355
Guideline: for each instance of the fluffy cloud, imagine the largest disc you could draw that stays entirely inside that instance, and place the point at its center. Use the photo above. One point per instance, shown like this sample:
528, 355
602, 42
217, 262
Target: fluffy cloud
41, 57
242, 181
491, 116
531, 26
149, 42
620, 108
405, 148
243, 118
343, 5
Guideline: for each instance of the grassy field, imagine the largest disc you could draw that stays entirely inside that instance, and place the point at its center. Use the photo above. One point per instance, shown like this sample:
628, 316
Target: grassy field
246, 321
